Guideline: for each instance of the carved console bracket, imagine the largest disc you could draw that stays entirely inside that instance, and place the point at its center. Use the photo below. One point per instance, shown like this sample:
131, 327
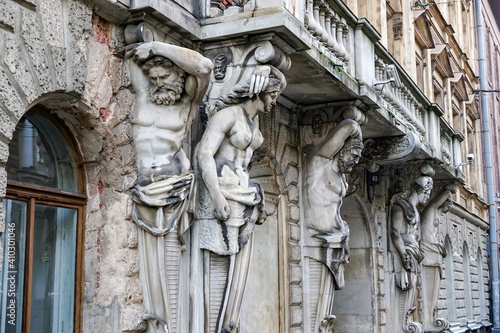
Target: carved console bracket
388, 150
411, 326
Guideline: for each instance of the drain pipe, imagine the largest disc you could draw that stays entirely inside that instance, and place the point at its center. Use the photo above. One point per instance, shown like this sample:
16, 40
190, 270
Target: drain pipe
495, 297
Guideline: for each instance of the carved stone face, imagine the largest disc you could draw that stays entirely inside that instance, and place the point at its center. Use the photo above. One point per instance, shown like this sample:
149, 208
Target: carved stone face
166, 85
348, 158
220, 66
317, 122
423, 185
424, 196
269, 99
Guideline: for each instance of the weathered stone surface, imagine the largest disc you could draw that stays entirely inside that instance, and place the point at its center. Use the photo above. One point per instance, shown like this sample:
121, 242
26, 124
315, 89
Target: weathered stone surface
297, 316
294, 212
3, 182
78, 67
295, 294
92, 141
10, 98
290, 155
115, 68
60, 66
134, 292
7, 125
294, 232
295, 252
80, 18
131, 319
7, 14
291, 175
51, 13
15, 61
98, 88
2, 216
4, 152
293, 193
79, 24
31, 34
295, 273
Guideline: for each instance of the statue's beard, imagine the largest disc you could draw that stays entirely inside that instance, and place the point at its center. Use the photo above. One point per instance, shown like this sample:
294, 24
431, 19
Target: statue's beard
165, 95
346, 166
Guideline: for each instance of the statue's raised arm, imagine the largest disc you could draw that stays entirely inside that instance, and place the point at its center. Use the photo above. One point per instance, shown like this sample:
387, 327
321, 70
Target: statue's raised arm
337, 137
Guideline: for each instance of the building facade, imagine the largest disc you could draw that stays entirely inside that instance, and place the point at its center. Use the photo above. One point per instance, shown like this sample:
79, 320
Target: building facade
313, 166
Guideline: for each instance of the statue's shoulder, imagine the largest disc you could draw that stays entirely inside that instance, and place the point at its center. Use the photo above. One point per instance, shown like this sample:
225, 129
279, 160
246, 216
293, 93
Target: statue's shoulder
407, 208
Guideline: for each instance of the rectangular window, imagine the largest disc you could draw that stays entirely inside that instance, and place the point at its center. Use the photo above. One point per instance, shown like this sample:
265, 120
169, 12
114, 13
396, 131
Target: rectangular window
38, 274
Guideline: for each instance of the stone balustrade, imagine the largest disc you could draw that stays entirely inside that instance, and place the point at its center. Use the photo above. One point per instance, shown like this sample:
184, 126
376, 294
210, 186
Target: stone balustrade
329, 29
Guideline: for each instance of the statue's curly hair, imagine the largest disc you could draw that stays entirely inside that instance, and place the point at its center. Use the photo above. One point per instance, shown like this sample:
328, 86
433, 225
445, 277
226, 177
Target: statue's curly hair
162, 62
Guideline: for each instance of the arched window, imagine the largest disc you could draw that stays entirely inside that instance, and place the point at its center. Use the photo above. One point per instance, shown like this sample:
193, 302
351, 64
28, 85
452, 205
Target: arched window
42, 243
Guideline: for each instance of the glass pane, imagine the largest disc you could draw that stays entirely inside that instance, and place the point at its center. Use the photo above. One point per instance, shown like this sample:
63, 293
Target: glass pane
13, 240
39, 155
54, 256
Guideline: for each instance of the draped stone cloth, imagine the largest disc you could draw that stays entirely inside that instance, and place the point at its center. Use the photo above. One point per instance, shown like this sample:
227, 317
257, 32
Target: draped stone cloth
160, 207
403, 279
230, 236
433, 255
231, 239
162, 203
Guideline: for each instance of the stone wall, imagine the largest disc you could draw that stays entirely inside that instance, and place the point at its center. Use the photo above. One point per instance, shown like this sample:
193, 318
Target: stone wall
63, 57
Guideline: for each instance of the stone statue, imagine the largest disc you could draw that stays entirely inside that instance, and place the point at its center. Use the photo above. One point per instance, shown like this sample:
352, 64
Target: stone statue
404, 226
327, 235
229, 203
434, 252
169, 83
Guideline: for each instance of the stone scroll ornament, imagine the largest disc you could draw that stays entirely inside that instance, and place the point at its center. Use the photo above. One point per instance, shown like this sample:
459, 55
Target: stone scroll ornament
230, 204
404, 224
169, 83
327, 235
434, 252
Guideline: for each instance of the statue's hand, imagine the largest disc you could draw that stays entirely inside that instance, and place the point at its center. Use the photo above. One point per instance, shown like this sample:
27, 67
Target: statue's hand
139, 51
221, 208
259, 80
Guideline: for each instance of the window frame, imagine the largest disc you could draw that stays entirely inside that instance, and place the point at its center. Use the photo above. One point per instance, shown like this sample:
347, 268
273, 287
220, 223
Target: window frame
37, 195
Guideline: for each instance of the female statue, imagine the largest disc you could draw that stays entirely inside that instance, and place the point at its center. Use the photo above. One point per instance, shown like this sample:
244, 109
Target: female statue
229, 203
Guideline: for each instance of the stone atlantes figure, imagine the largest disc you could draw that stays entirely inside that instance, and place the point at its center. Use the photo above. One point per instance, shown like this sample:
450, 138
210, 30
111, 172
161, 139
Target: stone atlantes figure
328, 234
404, 227
169, 83
434, 252
230, 204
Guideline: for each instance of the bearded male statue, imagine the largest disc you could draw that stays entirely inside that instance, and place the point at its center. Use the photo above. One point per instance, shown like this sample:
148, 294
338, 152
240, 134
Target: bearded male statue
169, 83
327, 234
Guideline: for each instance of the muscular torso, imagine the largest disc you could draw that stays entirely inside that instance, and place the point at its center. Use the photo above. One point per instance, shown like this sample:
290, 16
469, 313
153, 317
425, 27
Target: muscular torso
159, 132
325, 190
236, 150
